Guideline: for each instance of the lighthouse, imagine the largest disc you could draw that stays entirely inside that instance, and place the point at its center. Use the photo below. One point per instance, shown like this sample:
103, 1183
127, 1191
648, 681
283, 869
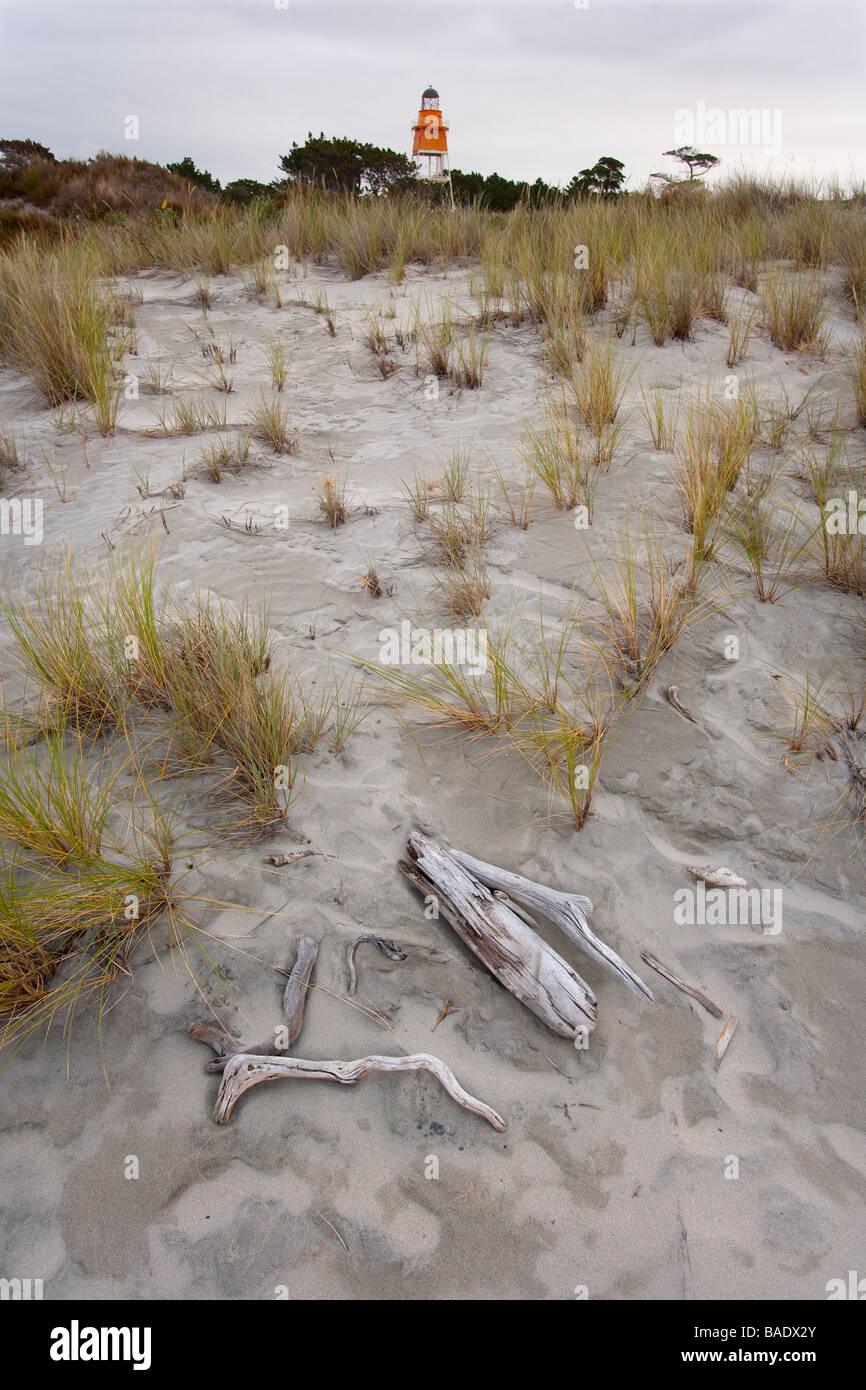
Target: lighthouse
430, 140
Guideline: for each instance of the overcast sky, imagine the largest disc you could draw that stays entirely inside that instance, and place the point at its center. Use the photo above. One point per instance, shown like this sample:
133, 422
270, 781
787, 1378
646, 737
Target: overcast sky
530, 87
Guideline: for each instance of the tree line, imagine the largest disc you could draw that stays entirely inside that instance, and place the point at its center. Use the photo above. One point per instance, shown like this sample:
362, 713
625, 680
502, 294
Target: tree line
354, 167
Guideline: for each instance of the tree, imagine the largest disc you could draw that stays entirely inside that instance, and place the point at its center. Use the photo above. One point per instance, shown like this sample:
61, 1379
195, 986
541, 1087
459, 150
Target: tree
342, 165
200, 177
16, 154
246, 191
688, 155
605, 179
468, 188
500, 194
385, 171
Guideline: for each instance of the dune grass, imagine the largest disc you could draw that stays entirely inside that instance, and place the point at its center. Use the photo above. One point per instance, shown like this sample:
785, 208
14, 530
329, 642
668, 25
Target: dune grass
841, 557
436, 342
225, 697
794, 312
278, 366
456, 478
560, 458
191, 414
857, 377
226, 455
417, 495
465, 590
99, 651
661, 423
86, 853
66, 937
269, 422
331, 494
771, 550
84, 871
63, 648
566, 744
739, 336
597, 386
807, 234
518, 503
667, 260
52, 804
57, 324
12, 458
716, 449
812, 725
480, 701
646, 603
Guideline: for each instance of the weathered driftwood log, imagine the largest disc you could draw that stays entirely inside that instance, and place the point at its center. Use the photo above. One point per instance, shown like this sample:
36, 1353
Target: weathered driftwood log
294, 999
243, 1071
520, 959
568, 911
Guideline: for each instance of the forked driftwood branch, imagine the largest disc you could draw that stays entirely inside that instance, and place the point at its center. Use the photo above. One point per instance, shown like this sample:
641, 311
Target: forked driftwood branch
243, 1071
568, 911
520, 959
294, 998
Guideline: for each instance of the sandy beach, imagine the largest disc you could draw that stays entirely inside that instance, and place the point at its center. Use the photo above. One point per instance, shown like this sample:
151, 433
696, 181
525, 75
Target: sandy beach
631, 1169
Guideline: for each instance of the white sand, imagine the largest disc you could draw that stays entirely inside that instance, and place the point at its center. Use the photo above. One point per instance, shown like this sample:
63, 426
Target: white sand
602, 1146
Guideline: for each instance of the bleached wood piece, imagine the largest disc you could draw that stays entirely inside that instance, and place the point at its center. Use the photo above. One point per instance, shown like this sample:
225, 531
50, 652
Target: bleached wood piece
723, 1041
568, 911
521, 960
680, 983
294, 999
244, 1070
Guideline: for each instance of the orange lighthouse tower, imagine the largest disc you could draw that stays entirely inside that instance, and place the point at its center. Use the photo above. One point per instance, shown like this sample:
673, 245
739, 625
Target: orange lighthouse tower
430, 139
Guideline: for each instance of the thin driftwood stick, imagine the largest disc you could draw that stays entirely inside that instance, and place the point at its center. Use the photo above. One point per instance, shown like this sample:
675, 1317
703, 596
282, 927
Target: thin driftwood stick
681, 984
388, 948
521, 960
568, 911
243, 1071
671, 697
294, 1000
723, 1041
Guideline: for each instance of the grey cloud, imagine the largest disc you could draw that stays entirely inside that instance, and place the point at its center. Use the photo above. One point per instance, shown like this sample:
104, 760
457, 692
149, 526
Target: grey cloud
531, 87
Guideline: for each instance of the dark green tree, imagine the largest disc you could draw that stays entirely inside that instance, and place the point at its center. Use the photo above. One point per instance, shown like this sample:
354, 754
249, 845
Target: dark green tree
200, 177
604, 179
246, 191
467, 187
342, 165
693, 159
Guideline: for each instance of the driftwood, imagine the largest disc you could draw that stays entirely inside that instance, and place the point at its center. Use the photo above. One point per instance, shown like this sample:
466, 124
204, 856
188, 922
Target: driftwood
683, 1260
568, 911
294, 998
681, 984
243, 1071
671, 697
389, 948
723, 1041
281, 859
717, 878
520, 959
